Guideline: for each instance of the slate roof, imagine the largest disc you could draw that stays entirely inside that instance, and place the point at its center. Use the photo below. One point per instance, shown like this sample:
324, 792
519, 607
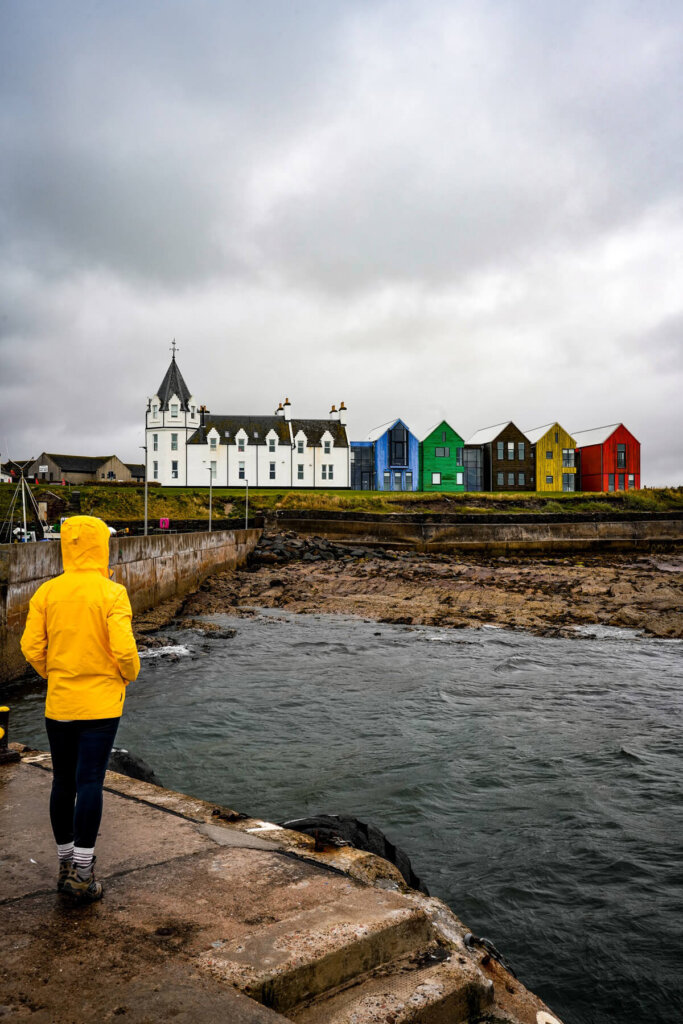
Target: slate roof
228, 427
597, 435
137, 469
173, 384
537, 433
79, 463
15, 464
488, 434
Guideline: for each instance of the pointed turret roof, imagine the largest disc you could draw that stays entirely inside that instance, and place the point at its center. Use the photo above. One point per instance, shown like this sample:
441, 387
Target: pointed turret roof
173, 384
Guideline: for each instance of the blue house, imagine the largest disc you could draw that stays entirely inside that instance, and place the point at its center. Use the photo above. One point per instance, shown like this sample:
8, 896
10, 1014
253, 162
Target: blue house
388, 460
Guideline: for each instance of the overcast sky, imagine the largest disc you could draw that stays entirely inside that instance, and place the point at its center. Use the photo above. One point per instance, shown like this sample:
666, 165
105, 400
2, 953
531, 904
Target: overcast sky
470, 210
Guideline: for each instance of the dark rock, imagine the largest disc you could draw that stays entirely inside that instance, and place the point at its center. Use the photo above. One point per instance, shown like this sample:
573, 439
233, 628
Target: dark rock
125, 763
340, 830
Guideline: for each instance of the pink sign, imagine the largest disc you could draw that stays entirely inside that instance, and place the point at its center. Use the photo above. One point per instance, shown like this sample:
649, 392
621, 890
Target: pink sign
164, 524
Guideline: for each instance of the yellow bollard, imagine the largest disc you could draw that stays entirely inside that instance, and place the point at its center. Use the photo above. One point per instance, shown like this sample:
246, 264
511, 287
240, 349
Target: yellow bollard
6, 755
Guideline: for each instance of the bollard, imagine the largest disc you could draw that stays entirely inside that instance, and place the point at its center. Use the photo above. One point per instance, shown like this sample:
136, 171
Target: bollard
6, 755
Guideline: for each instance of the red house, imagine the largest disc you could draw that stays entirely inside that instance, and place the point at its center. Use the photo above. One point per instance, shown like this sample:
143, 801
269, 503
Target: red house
609, 459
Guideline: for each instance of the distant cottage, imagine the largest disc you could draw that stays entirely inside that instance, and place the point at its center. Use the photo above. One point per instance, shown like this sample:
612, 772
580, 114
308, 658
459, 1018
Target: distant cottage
189, 446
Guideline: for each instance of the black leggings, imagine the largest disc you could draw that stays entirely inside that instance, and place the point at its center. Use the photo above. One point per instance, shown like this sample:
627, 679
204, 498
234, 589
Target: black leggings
80, 754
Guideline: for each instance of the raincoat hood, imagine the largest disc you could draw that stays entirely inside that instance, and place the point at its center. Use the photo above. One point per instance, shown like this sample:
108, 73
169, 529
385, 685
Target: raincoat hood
85, 545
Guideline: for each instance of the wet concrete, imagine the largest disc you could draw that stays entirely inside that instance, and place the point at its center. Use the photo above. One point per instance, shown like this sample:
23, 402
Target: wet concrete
202, 913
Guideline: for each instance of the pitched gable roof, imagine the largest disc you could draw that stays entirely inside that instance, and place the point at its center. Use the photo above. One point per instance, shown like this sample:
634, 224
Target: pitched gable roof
596, 435
79, 463
377, 432
488, 434
173, 384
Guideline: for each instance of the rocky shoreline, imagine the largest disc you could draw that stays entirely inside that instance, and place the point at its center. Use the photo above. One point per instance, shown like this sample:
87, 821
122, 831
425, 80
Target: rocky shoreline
545, 595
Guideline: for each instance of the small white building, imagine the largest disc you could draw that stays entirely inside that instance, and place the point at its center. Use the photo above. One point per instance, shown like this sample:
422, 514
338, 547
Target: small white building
185, 442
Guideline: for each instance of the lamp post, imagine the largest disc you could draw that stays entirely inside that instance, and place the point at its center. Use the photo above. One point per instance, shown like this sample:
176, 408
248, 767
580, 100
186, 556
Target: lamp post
246, 504
144, 448
210, 495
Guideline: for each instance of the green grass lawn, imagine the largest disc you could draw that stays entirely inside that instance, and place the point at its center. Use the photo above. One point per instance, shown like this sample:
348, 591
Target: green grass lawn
126, 501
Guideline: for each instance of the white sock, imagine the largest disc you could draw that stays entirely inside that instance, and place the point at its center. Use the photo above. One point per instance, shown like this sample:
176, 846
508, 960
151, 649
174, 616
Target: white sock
83, 857
65, 851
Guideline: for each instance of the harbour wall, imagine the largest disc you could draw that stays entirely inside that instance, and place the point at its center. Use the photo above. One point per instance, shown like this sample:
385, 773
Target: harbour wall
153, 569
492, 534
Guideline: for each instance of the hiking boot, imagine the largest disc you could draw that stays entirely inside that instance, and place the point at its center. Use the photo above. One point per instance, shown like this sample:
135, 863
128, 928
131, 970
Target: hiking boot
85, 890
64, 869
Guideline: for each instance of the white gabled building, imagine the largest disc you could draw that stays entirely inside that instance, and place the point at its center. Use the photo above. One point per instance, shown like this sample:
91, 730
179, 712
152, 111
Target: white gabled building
185, 442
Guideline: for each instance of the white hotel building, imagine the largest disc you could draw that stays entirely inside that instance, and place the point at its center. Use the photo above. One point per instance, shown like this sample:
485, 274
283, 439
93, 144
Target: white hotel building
186, 443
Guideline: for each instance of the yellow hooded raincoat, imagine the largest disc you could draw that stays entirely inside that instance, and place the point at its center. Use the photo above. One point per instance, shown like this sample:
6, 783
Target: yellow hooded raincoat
78, 632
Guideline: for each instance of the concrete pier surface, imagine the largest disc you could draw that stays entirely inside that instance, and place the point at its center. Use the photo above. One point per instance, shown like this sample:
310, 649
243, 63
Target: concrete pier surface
211, 916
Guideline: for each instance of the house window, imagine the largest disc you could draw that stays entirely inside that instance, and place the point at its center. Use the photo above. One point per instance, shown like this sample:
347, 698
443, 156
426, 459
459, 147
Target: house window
155, 442
549, 479
409, 480
568, 482
500, 479
520, 451
240, 470
155, 470
610, 482
511, 449
324, 471
459, 479
213, 469
568, 458
174, 412
174, 442
300, 471
511, 479
174, 470
398, 446
192, 410
398, 480
240, 444
500, 447
442, 453
548, 455
622, 482
271, 444
557, 437
621, 457
271, 471
155, 411
436, 478
212, 443
387, 480
443, 435
327, 447
300, 447
631, 481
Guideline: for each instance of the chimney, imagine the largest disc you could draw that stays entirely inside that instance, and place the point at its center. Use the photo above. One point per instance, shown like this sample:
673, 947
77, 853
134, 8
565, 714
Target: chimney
288, 409
334, 415
342, 414
202, 413
279, 411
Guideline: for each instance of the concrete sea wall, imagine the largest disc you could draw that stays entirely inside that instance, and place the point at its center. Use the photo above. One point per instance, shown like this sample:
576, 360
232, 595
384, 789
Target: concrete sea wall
153, 569
491, 535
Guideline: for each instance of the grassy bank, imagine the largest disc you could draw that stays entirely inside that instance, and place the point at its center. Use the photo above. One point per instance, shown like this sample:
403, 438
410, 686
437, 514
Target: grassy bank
126, 502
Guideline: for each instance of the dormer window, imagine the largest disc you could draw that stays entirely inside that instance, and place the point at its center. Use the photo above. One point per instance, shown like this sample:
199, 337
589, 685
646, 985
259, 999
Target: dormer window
155, 410
241, 442
174, 411
212, 443
271, 444
327, 447
300, 447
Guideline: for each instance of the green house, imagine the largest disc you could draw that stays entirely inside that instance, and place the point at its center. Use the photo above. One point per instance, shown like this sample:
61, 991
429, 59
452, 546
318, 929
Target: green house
441, 460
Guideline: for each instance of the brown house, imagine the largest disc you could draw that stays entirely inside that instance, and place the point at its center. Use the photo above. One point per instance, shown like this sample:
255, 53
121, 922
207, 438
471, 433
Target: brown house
78, 469
506, 459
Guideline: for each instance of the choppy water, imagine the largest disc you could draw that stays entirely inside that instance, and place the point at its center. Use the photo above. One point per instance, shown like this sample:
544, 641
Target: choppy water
535, 783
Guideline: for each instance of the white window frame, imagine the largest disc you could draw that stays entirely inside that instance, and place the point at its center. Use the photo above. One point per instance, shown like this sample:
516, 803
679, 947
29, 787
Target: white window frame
271, 445
327, 447
175, 410
155, 442
272, 470
241, 471
174, 469
436, 478
241, 444
459, 479
213, 441
300, 471
214, 469
300, 446
155, 470
174, 442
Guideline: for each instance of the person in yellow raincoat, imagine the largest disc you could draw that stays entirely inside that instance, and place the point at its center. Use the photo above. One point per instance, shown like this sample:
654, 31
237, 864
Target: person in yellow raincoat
79, 637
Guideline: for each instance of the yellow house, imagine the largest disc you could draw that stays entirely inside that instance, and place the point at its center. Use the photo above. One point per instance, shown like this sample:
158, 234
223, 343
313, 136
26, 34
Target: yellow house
555, 457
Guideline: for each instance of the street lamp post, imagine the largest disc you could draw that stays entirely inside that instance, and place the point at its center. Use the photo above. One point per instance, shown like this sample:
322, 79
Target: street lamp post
144, 448
210, 495
246, 504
